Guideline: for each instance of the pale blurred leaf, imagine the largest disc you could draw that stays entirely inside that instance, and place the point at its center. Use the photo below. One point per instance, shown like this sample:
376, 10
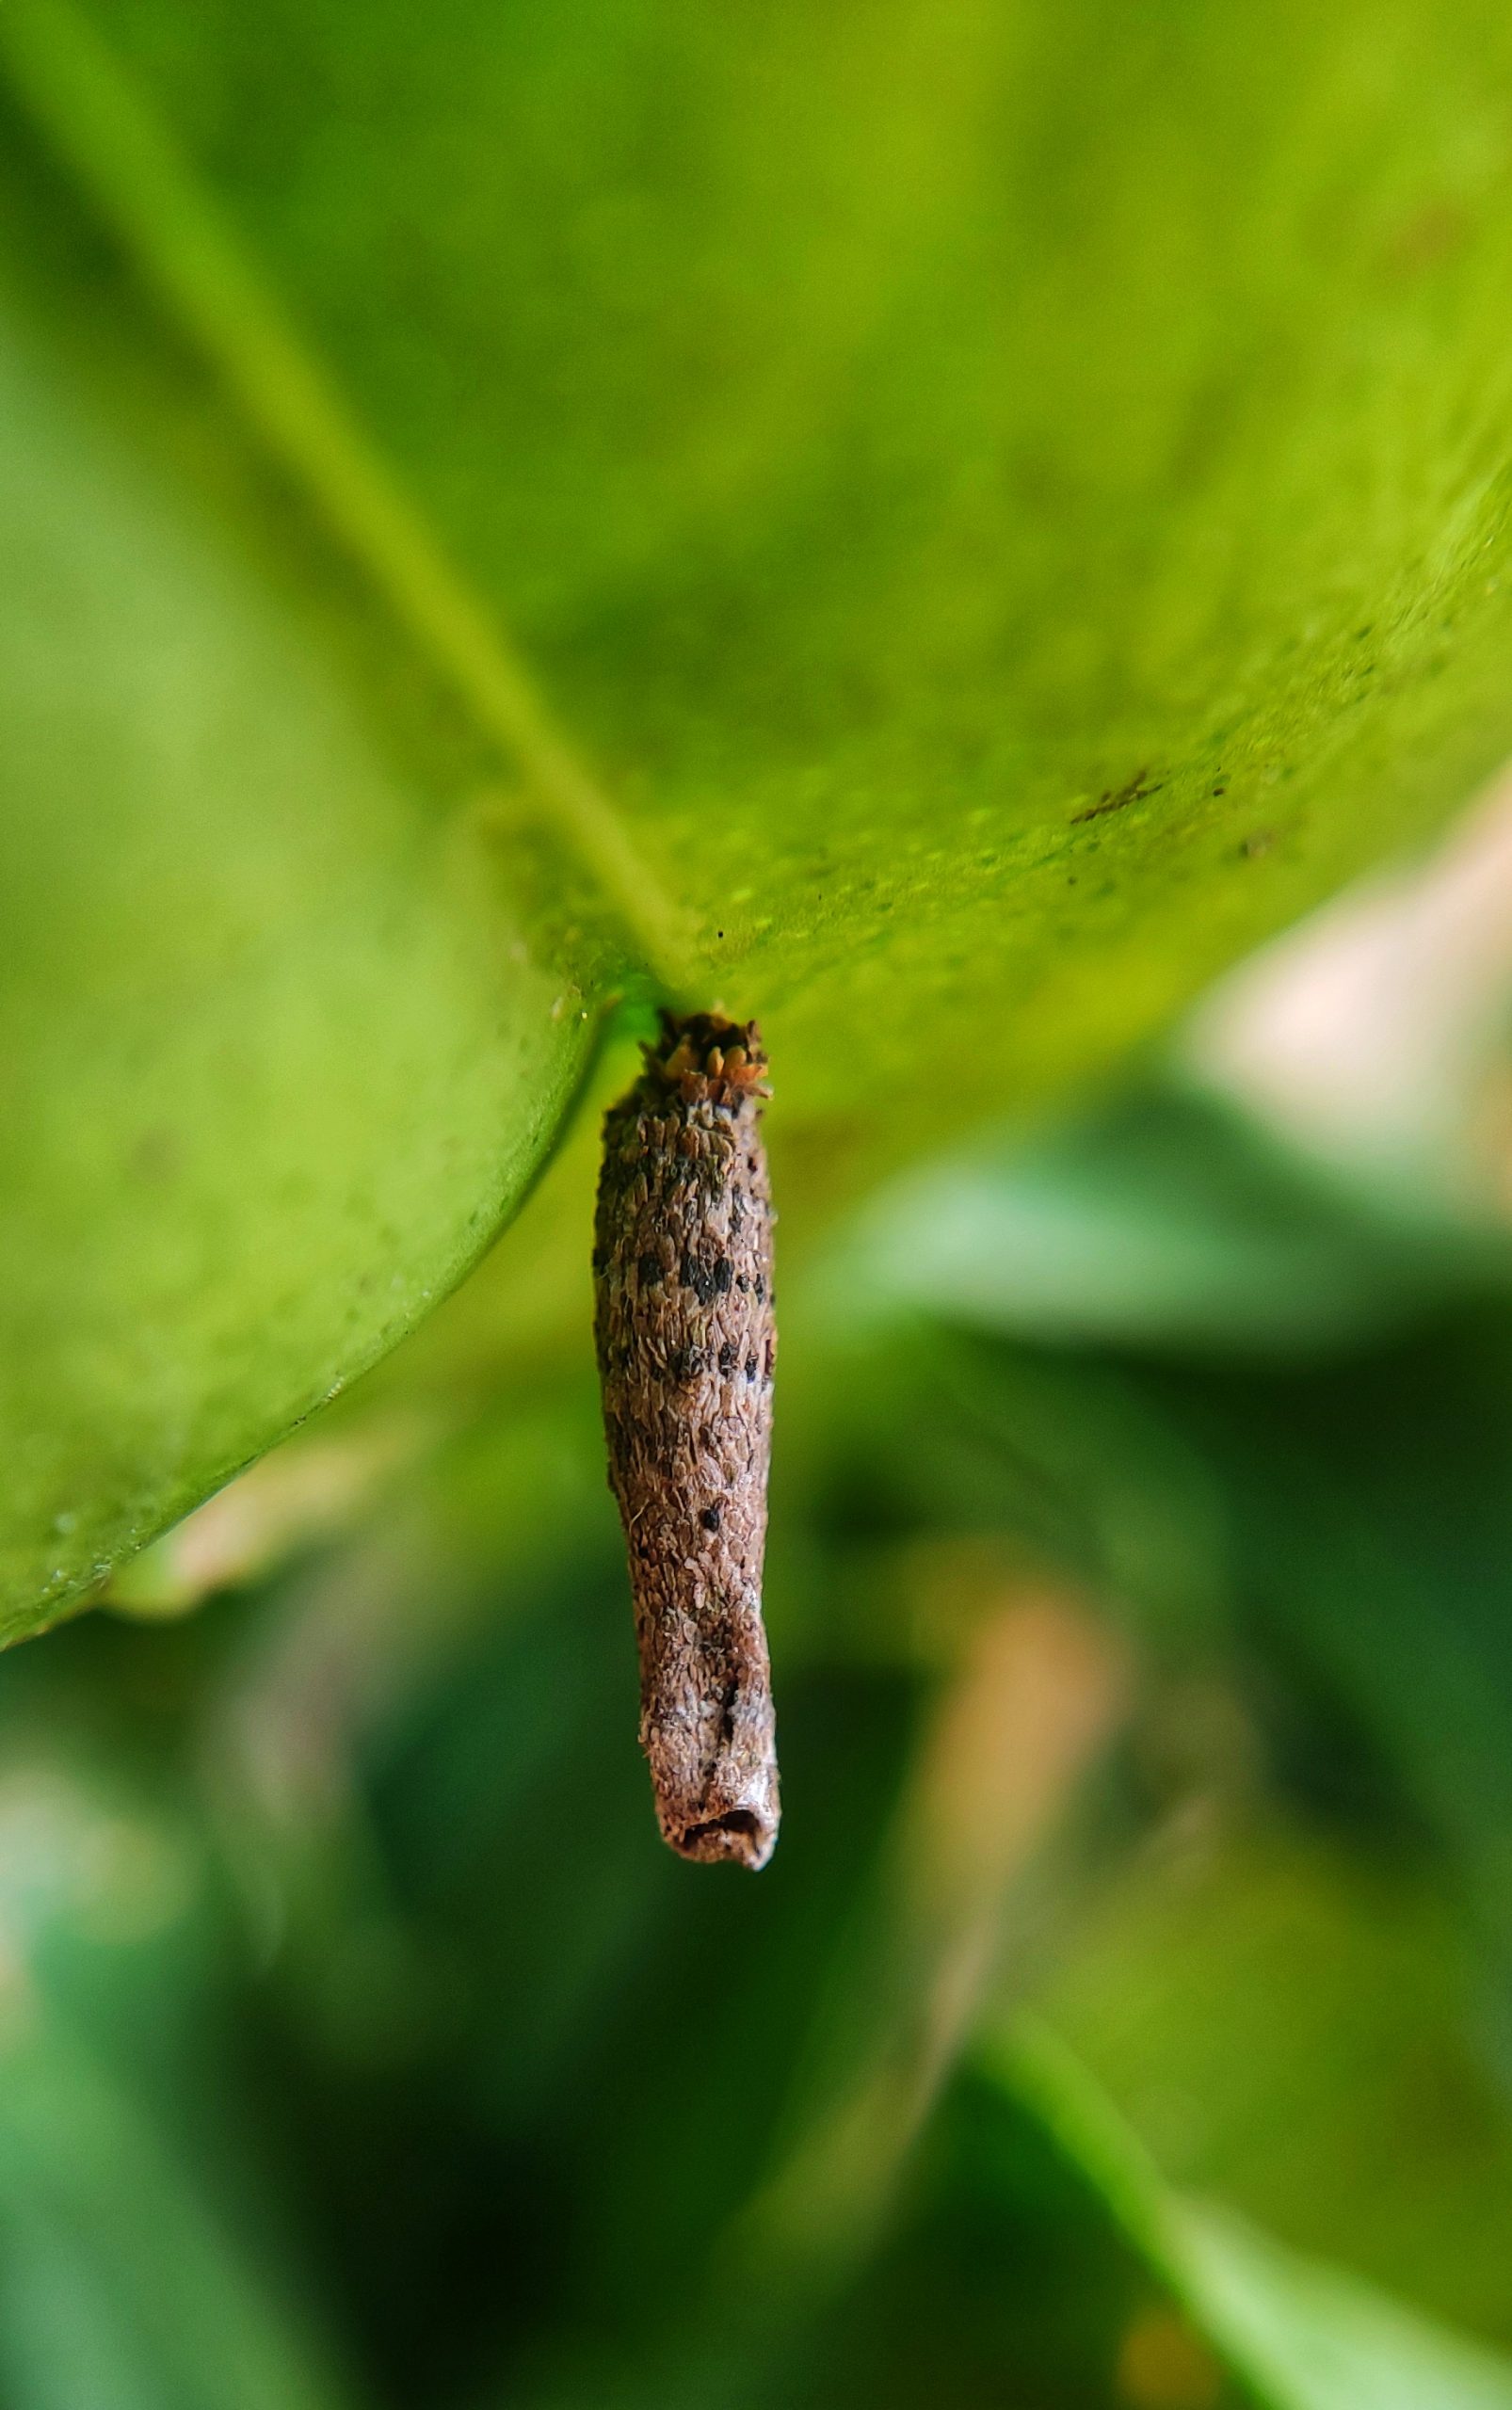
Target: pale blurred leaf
1299, 2335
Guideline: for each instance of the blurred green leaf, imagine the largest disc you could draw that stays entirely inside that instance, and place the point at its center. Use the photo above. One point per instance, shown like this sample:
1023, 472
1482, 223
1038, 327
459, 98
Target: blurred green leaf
1348, 1526
144, 2260
1350, 2113
1367, 1511
119, 2284
1163, 1219
1300, 2335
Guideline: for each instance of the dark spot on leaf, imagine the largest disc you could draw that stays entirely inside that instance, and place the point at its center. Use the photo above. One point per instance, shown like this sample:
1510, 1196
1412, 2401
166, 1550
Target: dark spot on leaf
1432, 234
1133, 791
155, 1155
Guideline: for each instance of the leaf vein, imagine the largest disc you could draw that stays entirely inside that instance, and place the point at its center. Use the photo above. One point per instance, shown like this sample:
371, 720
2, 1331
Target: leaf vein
88, 107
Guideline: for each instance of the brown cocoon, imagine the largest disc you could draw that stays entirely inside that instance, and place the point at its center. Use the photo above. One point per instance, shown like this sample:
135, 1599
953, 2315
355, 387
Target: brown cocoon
682, 1262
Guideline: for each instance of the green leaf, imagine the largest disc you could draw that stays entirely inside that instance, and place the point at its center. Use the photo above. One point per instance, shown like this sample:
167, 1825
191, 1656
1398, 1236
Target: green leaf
1300, 2335
119, 2286
145, 2261
1163, 1219
938, 528
278, 1057
1311, 2339
926, 457
1356, 2114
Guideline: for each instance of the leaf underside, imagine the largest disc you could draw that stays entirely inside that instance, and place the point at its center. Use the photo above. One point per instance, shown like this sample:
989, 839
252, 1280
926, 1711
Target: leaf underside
936, 527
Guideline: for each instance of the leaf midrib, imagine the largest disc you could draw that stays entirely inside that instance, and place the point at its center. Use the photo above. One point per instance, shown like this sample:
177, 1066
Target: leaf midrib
102, 126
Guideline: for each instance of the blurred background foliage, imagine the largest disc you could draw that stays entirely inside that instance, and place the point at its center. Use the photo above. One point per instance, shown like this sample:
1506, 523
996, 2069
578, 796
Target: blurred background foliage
1126, 2020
